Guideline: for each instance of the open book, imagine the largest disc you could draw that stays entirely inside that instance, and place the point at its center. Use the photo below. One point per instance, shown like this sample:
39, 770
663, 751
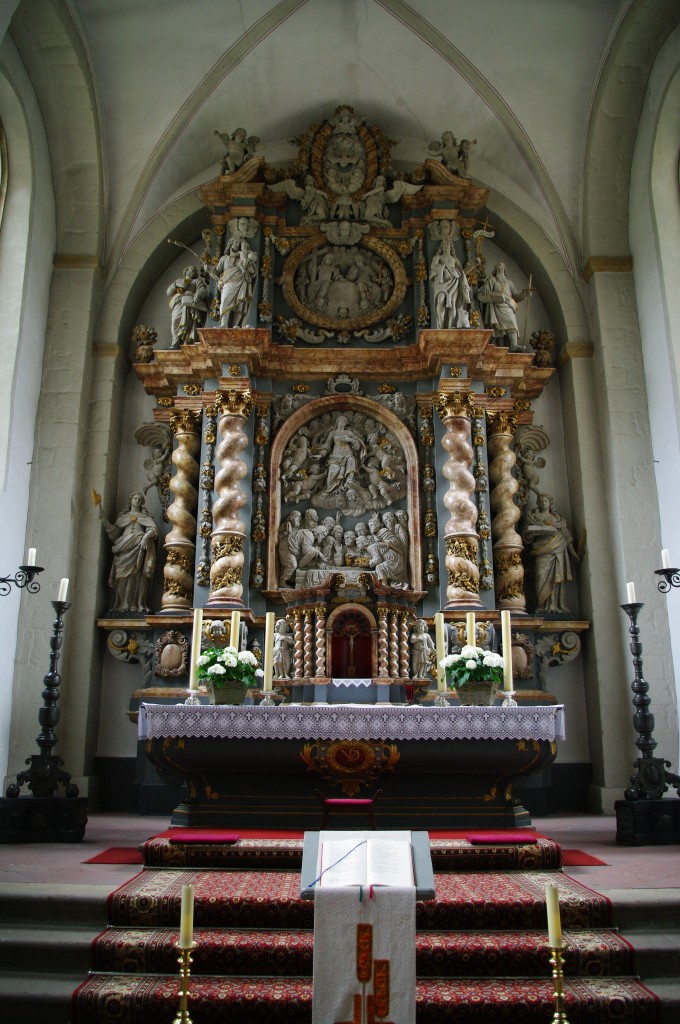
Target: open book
365, 859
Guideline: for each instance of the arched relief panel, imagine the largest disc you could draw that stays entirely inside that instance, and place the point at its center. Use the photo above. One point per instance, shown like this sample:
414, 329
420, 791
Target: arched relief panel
364, 656
339, 404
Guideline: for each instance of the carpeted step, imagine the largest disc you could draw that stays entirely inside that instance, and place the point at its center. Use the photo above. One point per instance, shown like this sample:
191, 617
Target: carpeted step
257, 952
453, 853
105, 999
271, 899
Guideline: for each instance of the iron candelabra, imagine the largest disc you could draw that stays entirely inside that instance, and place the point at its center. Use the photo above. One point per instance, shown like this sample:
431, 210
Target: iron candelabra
23, 579
667, 578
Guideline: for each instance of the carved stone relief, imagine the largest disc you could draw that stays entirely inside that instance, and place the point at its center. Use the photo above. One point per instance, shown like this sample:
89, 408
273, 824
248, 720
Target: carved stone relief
172, 654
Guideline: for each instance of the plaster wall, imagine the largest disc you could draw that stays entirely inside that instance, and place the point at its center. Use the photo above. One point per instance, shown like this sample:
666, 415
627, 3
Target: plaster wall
655, 245
27, 242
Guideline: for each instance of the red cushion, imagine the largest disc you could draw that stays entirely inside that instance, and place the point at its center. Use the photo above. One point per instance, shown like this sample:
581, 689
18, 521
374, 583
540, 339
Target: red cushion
199, 835
504, 837
340, 802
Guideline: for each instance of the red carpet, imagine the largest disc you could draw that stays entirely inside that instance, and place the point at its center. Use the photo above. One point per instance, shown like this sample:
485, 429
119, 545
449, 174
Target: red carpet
117, 855
578, 859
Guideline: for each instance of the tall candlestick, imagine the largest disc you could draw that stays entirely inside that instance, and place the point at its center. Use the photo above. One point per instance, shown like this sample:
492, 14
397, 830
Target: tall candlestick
552, 901
186, 921
63, 589
269, 621
195, 648
506, 638
470, 630
30, 560
234, 638
665, 559
441, 650
630, 588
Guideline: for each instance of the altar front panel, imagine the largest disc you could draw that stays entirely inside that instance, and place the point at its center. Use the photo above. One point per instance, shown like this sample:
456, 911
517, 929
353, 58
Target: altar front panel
437, 767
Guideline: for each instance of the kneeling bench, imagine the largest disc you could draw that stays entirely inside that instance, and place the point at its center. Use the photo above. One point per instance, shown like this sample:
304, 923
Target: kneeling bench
347, 805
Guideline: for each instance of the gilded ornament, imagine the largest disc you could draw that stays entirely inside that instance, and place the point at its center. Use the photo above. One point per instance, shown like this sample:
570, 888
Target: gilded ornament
192, 389
456, 371
423, 316
475, 319
463, 581
478, 440
521, 405
181, 559
228, 578
501, 422
234, 370
185, 421
301, 389
175, 588
144, 338
507, 560
496, 392
165, 401
454, 404
236, 403
232, 545
460, 547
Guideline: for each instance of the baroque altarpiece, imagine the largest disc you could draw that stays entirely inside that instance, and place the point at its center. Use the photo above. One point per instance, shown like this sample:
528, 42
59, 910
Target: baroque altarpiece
343, 430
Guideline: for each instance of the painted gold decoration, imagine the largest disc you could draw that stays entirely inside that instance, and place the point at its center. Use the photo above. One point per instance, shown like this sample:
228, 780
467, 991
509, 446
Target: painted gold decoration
461, 547
350, 764
192, 389
501, 422
507, 543
229, 529
235, 402
456, 371
179, 543
454, 403
301, 389
143, 339
172, 654
496, 392
165, 401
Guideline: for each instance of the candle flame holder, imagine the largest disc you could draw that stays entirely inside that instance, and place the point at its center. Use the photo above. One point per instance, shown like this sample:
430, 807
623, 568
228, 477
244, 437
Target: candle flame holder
557, 962
667, 578
184, 960
509, 699
23, 579
192, 699
440, 700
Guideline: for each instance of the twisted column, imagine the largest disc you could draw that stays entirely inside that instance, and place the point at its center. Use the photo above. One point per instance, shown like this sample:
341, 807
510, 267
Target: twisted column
180, 542
320, 640
229, 531
308, 636
298, 648
383, 646
506, 542
394, 645
460, 535
404, 650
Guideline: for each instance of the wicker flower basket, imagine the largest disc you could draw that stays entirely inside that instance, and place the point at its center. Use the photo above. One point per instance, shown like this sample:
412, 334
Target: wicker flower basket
230, 692
477, 692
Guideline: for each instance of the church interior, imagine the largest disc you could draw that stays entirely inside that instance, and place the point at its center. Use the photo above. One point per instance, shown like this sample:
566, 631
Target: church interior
340, 343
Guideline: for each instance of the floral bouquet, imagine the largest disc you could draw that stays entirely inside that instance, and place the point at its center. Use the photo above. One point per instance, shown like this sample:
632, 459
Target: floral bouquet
472, 665
221, 666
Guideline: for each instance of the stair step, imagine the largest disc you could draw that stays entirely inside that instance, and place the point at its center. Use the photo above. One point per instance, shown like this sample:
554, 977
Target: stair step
37, 998
223, 951
67, 950
278, 1000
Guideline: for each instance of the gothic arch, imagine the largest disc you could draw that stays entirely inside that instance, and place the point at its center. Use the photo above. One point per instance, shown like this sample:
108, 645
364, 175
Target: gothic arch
384, 416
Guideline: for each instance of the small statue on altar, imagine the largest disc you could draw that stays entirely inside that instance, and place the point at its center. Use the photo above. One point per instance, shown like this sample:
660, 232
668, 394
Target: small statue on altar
239, 148
450, 288
423, 653
284, 642
500, 298
189, 301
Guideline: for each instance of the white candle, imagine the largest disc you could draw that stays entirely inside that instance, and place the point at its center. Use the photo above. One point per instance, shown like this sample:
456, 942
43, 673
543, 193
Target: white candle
186, 920
506, 638
234, 638
665, 559
32, 553
470, 629
63, 590
269, 621
552, 902
630, 588
195, 648
441, 649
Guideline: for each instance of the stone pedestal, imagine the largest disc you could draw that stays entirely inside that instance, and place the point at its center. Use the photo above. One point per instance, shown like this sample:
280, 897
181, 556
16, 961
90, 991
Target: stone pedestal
648, 822
35, 819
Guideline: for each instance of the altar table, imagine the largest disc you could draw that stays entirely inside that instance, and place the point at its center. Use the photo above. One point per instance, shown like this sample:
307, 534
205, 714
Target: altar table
438, 767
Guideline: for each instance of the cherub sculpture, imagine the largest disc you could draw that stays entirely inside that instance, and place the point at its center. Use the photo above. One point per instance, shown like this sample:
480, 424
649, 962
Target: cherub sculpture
240, 147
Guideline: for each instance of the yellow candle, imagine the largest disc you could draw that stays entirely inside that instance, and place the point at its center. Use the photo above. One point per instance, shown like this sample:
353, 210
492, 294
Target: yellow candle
506, 638
441, 649
630, 589
234, 638
552, 902
470, 629
63, 589
269, 621
195, 648
186, 920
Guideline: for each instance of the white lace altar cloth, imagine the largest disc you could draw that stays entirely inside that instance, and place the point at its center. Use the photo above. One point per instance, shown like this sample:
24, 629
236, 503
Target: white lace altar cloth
352, 682
350, 722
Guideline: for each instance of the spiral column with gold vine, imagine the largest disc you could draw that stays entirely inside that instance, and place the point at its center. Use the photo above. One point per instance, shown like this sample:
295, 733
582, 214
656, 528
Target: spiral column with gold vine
394, 644
298, 649
320, 640
180, 542
404, 650
460, 534
506, 541
383, 646
229, 531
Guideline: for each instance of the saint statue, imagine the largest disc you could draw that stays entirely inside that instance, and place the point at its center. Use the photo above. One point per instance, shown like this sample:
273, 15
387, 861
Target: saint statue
134, 536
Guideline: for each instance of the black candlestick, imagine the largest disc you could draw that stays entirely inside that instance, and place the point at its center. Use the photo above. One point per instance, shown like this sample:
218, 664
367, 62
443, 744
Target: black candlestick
23, 579
45, 773
671, 578
651, 778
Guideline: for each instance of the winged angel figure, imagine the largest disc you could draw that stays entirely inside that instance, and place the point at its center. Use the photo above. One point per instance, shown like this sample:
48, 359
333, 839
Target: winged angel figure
313, 200
239, 147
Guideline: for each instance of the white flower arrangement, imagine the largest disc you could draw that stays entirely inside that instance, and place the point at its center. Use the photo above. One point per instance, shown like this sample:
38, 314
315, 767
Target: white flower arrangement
473, 664
226, 664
